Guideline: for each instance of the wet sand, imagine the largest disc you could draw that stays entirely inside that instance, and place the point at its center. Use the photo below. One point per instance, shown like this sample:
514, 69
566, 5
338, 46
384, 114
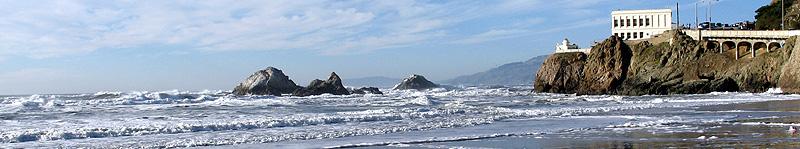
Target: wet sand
750, 125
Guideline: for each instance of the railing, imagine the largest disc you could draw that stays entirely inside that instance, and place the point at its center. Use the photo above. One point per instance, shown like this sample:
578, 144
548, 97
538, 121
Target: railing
745, 33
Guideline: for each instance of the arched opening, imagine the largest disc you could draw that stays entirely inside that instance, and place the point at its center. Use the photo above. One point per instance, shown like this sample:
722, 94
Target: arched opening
759, 47
743, 48
713, 46
727, 45
774, 46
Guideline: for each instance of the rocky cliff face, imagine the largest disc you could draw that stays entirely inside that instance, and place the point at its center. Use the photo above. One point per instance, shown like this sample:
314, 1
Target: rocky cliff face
602, 71
790, 74
606, 68
270, 81
676, 65
560, 73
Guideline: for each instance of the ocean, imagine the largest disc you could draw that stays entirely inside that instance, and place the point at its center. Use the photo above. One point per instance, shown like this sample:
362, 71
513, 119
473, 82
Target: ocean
443, 117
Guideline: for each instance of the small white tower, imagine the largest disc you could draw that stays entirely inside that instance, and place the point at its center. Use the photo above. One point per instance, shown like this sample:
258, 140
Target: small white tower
565, 47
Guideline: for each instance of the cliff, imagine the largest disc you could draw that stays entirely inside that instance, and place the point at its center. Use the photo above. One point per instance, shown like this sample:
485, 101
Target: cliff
672, 63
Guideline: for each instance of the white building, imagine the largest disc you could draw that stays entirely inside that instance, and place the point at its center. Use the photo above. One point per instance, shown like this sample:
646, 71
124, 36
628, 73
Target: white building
566, 47
640, 24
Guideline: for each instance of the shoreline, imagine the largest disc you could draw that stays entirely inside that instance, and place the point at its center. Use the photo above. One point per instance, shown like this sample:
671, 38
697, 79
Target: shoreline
739, 125
758, 124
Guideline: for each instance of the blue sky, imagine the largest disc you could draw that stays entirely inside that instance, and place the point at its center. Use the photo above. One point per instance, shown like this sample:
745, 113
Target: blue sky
51, 47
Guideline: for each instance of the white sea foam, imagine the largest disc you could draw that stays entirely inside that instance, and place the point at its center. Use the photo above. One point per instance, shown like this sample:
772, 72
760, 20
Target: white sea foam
184, 118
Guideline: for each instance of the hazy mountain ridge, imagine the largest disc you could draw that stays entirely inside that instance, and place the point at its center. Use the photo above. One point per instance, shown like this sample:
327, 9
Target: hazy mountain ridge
516, 73
372, 82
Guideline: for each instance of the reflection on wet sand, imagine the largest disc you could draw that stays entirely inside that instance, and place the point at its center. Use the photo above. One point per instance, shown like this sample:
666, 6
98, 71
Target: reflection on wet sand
750, 125
743, 132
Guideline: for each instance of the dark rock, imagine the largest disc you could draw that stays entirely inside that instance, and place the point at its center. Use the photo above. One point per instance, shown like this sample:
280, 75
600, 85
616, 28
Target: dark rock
676, 64
270, 81
606, 67
723, 85
332, 85
601, 72
560, 73
790, 74
416, 82
365, 90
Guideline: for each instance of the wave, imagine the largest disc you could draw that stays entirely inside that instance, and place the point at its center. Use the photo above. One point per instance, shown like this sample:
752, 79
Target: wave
271, 118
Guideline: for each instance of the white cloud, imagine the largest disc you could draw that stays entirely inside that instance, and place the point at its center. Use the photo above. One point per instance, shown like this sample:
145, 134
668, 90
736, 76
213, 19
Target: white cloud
528, 22
53, 29
74, 27
491, 36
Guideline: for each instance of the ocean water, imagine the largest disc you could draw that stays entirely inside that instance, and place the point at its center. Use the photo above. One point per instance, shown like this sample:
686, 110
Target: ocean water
218, 119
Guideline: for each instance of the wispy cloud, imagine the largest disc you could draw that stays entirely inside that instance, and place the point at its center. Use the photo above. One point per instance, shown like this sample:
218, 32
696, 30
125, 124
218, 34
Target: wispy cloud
58, 28
491, 36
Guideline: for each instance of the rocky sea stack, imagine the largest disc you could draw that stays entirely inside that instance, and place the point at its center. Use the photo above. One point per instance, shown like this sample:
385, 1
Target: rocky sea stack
270, 81
365, 90
415, 82
332, 85
672, 63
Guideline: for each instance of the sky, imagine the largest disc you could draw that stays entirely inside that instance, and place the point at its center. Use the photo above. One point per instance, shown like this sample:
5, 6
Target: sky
63, 46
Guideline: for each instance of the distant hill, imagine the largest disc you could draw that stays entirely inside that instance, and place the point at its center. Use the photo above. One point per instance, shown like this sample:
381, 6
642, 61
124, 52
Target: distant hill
517, 73
372, 82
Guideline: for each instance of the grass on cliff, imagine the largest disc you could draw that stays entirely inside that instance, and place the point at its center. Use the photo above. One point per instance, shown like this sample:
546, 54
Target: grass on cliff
572, 55
651, 56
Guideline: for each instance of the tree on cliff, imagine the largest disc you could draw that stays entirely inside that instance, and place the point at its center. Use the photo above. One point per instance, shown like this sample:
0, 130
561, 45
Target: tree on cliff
769, 16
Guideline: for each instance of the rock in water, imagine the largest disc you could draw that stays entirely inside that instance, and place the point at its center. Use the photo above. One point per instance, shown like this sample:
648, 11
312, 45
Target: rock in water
600, 72
270, 81
675, 64
333, 85
415, 82
365, 90
606, 67
560, 73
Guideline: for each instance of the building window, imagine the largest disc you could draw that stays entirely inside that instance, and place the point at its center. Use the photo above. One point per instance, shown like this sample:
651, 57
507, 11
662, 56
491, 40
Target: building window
628, 35
641, 34
616, 34
616, 23
622, 23
634, 35
647, 20
627, 22
634, 22
641, 22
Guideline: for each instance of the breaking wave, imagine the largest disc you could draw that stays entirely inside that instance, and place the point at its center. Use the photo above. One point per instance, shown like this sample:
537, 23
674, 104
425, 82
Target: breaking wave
185, 118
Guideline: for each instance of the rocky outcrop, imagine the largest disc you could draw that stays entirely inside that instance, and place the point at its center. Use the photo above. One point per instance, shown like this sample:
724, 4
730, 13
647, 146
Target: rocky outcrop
367, 90
674, 64
332, 85
415, 82
602, 71
560, 73
606, 68
790, 74
270, 81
